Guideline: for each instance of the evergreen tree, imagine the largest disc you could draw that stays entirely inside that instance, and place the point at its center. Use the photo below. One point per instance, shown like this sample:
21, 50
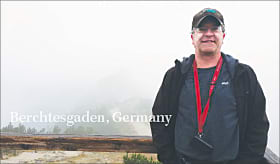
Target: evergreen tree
21, 128
42, 131
56, 130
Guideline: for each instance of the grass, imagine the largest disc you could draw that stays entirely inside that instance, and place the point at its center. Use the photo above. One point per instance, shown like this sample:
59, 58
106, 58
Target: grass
138, 159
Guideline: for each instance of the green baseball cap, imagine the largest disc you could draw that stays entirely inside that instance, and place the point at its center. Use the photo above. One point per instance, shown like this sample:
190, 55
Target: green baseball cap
197, 19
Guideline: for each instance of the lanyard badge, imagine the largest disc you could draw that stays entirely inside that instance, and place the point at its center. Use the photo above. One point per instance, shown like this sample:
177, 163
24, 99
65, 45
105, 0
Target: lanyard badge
201, 116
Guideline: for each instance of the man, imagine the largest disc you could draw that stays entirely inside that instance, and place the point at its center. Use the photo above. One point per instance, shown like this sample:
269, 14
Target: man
217, 104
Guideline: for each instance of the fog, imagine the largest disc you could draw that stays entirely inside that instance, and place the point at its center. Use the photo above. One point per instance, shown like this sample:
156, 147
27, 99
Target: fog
69, 56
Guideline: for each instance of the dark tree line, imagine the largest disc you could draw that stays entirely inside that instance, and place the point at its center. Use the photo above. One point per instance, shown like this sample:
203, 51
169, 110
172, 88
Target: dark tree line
55, 130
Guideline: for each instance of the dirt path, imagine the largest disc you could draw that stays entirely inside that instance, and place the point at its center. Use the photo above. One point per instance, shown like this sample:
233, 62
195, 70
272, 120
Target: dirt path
68, 157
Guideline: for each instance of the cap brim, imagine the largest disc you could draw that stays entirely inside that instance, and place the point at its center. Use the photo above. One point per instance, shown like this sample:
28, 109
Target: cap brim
201, 19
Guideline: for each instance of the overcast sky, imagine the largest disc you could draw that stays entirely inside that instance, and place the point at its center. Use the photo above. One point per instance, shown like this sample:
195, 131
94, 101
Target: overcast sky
59, 56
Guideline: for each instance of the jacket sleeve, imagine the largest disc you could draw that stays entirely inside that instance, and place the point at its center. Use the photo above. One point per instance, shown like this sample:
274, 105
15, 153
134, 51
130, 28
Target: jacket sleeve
257, 123
163, 136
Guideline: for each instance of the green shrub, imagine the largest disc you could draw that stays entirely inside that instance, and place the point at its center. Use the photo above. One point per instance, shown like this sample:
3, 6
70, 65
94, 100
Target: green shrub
138, 159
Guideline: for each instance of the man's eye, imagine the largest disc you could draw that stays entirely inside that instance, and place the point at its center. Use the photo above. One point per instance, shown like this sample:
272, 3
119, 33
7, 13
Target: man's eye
214, 28
203, 29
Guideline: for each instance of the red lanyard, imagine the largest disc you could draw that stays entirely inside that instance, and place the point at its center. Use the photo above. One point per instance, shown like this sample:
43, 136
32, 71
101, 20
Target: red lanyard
201, 118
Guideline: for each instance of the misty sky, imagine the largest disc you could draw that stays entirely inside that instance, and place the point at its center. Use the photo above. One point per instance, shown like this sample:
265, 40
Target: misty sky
62, 56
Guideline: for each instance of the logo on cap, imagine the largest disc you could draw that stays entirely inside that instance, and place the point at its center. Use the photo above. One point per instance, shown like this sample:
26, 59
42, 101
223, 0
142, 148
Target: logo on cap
210, 11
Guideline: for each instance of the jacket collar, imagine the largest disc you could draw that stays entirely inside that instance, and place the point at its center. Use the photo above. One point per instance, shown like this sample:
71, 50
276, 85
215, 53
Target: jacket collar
186, 63
229, 61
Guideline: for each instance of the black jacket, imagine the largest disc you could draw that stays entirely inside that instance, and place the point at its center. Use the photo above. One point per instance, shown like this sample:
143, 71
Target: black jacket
252, 118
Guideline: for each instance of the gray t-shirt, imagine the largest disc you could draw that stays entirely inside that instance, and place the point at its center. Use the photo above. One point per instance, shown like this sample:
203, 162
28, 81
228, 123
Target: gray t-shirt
221, 126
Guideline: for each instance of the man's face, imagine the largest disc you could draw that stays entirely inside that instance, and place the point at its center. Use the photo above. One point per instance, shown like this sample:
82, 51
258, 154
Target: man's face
208, 38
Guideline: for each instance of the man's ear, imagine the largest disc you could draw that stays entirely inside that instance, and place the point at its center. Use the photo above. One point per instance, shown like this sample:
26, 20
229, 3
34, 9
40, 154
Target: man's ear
192, 39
